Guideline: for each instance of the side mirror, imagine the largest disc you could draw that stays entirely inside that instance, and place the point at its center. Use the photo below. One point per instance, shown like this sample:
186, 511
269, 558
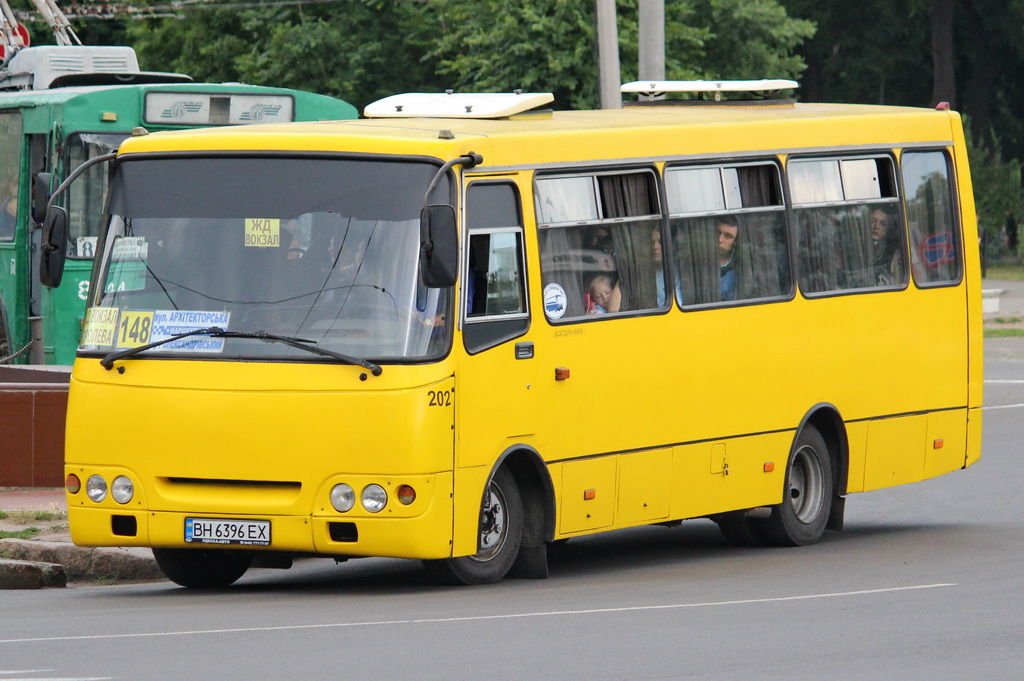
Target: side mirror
40, 196
55, 240
439, 252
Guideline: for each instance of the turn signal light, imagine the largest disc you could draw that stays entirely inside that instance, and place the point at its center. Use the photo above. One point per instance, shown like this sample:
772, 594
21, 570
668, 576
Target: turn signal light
406, 494
72, 484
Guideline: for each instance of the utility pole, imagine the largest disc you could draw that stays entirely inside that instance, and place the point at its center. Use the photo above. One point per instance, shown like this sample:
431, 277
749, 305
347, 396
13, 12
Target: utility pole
652, 40
609, 76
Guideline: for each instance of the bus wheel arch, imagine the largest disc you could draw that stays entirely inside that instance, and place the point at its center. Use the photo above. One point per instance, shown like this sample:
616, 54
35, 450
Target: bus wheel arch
516, 521
815, 481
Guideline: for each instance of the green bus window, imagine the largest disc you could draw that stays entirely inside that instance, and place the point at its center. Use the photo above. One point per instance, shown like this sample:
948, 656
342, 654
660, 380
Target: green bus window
606, 262
728, 233
849, 228
934, 246
10, 172
87, 194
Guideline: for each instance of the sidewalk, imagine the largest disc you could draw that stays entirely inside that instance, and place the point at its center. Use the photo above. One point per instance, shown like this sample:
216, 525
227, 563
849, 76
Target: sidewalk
48, 558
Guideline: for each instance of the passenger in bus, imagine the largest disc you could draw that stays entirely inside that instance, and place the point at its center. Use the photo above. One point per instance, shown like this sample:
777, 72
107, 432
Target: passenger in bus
8, 215
659, 265
728, 232
599, 294
886, 255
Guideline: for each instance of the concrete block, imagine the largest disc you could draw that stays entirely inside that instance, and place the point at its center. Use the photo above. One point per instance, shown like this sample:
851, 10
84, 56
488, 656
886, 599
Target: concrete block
23, 574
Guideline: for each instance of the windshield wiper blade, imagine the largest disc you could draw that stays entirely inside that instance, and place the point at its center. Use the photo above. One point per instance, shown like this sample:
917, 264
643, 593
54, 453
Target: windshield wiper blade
216, 332
108, 361
302, 343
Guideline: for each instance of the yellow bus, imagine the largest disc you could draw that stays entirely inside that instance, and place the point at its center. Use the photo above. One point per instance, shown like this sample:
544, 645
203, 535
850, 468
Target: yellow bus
468, 326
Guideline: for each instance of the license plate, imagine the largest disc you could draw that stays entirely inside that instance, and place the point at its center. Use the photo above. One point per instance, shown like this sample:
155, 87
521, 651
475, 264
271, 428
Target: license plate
227, 531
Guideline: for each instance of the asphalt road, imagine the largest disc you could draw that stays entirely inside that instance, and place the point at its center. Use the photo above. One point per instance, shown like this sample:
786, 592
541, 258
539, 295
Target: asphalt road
925, 582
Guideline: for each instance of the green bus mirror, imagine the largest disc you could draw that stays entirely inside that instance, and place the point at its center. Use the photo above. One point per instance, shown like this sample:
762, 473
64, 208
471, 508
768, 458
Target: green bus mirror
55, 239
439, 254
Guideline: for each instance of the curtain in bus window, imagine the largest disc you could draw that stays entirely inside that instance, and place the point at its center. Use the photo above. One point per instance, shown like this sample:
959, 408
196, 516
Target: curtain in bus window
934, 247
838, 249
10, 170
563, 260
759, 261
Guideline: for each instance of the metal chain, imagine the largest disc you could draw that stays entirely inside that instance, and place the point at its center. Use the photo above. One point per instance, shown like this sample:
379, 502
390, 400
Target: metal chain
19, 353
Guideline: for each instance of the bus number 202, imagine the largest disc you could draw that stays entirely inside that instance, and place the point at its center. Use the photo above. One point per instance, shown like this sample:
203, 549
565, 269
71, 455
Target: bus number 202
439, 398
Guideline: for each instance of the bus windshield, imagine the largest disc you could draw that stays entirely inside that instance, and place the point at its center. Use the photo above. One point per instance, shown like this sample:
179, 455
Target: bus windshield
323, 251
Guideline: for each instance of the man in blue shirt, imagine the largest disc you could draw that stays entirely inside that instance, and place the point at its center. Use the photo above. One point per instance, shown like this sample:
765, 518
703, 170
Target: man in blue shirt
728, 230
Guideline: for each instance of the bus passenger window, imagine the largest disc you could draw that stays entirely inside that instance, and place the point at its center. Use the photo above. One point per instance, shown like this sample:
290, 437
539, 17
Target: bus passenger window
934, 248
728, 233
603, 265
850, 232
10, 149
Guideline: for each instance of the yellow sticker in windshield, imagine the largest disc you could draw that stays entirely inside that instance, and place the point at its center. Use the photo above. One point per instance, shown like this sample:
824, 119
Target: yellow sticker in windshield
100, 326
263, 232
135, 328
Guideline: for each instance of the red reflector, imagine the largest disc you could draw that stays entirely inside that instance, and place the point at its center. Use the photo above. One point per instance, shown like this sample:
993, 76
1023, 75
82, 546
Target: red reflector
406, 494
589, 494
72, 484
942, 106
938, 444
769, 466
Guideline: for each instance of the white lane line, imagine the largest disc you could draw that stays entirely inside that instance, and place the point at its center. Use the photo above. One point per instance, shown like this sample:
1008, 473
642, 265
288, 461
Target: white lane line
478, 618
1002, 406
1004, 380
59, 678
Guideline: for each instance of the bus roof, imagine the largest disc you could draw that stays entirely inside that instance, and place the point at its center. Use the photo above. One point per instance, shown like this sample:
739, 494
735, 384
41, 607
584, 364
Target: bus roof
634, 132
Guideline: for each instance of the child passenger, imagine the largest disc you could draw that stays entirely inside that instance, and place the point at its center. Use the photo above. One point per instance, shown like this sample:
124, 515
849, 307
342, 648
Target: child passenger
600, 294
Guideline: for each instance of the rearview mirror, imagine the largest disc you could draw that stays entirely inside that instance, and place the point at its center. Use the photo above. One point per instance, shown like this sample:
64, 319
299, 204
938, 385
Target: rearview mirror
40, 196
439, 252
54, 247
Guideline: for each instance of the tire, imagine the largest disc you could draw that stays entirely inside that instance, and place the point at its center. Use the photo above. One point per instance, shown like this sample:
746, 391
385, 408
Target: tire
501, 533
802, 516
203, 568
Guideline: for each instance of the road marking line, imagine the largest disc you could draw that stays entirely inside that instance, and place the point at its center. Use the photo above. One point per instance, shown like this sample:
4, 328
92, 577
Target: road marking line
1004, 380
1002, 406
478, 618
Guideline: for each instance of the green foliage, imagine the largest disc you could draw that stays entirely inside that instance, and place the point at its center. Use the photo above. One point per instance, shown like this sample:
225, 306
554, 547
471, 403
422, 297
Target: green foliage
997, 184
27, 533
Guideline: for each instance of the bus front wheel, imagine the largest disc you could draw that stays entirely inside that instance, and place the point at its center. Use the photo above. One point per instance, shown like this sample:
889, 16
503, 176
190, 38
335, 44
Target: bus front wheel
501, 533
807, 495
202, 568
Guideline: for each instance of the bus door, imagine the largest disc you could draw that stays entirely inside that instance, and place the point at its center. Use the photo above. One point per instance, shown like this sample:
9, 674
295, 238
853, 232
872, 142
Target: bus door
496, 378
12, 295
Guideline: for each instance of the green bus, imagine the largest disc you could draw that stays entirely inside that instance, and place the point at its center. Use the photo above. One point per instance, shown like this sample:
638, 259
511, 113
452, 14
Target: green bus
61, 105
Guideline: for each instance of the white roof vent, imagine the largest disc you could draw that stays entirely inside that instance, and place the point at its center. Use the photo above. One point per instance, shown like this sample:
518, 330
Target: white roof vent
456, 105
653, 88
47, 66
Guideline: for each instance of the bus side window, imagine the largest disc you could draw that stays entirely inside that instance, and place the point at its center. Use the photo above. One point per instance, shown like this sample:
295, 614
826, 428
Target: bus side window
728, 233
934, 247
610, 259
850, 234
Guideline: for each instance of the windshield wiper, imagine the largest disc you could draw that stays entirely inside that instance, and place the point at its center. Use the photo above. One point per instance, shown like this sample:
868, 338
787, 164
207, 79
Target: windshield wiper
216, 332
302, 343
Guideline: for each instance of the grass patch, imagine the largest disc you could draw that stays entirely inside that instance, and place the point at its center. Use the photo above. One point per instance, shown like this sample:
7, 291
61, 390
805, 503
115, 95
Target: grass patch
27, 533
30, 516
1005, 272
1003, 333
1008, 320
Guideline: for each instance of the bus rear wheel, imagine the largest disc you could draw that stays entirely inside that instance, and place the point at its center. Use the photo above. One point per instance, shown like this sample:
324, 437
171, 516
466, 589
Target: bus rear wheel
501, 533
202, 568
802, 516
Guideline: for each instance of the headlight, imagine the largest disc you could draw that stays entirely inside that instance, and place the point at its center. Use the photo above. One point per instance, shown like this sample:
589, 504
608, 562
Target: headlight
96, 488
343, 497
374, 498
122, 490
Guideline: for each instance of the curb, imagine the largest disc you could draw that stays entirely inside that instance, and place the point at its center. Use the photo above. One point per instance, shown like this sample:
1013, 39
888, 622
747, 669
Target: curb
77, 562
23, 574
